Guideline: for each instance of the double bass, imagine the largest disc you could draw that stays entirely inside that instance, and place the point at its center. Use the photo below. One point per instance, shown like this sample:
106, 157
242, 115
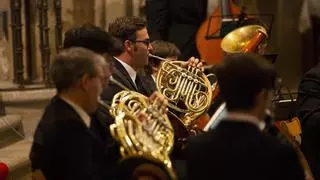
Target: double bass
209, 47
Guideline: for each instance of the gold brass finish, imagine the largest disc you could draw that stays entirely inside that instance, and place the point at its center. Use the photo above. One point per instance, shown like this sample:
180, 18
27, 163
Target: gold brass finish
187, 89
239, 39
153, 137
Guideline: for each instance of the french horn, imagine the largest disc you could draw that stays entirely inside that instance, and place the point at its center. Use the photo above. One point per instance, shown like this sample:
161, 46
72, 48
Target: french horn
187, 89
152, 138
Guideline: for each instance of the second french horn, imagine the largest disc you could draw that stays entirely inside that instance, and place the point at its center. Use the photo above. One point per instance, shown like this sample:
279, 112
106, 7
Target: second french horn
151, 137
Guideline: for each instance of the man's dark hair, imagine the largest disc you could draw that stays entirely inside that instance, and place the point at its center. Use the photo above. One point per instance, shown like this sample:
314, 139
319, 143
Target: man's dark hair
70, 65
162, 49
125, 28
94, 38
241, 77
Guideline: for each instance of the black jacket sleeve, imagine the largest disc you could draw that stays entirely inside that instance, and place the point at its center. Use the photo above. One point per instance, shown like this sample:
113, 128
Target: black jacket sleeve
289, 165
311, 144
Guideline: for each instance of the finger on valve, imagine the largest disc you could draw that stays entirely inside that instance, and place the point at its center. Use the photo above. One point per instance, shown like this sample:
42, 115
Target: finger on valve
143, 117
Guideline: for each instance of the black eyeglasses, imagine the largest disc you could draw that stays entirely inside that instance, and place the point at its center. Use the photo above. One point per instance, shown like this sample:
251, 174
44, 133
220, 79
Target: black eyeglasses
146, 41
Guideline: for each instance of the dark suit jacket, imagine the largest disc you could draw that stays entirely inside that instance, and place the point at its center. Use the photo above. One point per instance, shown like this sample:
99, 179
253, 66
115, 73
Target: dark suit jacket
176, 21
308, 101
308, 93
100, 125
65, 148
238, 150
121, 75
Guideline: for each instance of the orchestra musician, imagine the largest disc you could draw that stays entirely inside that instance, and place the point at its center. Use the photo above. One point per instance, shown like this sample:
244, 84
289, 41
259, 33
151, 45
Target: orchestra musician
161, 49
308, 112
237, 148
136, 45
101, 42
130, 63
65, 146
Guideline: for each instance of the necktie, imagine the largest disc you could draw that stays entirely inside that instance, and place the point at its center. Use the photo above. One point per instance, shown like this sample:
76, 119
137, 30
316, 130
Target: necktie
139, 85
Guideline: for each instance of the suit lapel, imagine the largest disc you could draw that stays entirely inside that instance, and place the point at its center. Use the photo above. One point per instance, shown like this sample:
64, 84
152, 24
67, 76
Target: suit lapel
121, 75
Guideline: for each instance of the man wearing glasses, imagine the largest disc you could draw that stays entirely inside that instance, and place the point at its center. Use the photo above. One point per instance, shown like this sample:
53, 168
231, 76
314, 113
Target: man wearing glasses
133, 34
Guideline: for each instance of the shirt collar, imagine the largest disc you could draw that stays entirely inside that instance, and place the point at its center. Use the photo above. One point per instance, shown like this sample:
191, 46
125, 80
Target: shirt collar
83, 114
154, 78
132, 73
243, 117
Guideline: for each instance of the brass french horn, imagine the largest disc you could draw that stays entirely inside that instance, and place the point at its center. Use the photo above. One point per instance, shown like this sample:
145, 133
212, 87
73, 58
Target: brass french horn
187, 89
151, 139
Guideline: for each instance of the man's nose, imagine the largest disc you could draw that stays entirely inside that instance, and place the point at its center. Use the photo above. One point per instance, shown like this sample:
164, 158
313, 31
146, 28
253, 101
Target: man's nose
150, 48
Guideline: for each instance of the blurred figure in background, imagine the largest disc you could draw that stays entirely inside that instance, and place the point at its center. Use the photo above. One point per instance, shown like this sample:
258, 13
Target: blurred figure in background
238, 148
162, 49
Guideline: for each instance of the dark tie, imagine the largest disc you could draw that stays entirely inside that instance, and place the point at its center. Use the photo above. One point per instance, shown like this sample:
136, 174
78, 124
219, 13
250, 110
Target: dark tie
139, 85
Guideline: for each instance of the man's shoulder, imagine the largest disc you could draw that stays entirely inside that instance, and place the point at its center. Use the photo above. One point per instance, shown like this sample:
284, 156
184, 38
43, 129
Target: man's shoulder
58, 114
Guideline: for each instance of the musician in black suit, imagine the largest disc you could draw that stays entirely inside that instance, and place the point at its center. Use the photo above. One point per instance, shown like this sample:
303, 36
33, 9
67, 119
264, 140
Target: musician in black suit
65, 146
101, 42
176, 21
133, 34
237, 148
309, 114
164, 50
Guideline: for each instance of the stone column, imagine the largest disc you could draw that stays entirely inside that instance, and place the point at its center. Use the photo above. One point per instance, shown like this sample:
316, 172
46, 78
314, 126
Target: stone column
5, 46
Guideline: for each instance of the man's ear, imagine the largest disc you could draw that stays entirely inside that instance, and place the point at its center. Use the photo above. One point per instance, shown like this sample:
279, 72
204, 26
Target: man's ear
84, 81
127, 45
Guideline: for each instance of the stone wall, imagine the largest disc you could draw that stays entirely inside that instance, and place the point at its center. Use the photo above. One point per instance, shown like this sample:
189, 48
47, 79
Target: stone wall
5, 52
74, 13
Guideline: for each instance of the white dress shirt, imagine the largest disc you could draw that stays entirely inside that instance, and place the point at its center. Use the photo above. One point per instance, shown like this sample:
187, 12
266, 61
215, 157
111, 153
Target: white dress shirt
83, 114
132, 73
154, 78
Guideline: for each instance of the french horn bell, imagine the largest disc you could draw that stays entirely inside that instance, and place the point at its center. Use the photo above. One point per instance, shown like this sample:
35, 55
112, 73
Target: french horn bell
152, 138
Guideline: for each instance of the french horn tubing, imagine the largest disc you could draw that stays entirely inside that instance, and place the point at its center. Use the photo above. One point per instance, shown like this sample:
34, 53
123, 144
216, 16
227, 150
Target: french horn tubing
187, 89
153, 137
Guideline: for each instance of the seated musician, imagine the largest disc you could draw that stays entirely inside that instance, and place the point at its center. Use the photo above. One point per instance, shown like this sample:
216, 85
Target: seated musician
98, 40
65, 147
309, 114
238, 149
136, 45
133, 34
162, 49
